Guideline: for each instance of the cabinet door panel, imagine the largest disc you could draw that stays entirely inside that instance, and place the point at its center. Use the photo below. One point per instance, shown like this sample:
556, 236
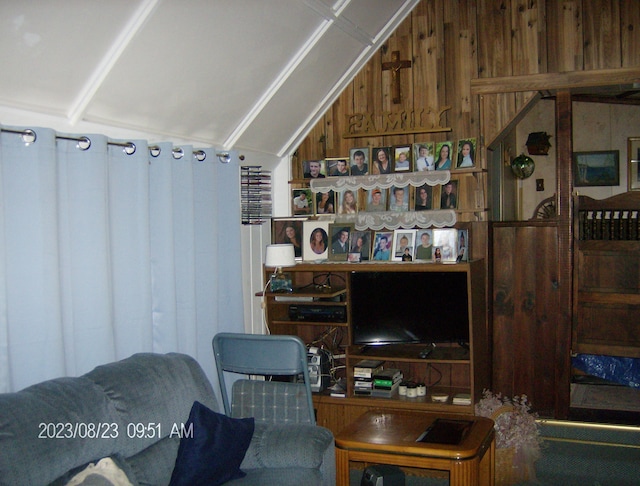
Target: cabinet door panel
525, 313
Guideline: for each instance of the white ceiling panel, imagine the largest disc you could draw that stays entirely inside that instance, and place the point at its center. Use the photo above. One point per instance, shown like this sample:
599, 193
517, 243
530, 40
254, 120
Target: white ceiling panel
48, 49
249, 74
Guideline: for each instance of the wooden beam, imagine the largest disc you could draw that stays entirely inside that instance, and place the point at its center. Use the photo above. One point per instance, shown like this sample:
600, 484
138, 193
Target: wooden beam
551, 81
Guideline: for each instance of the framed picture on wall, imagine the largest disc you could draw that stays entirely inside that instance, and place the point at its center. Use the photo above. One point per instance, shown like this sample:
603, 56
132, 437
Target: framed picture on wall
360, 244
633, 154
314, 169
402, 158
315, 237
382, 244
288, 230
466, 153
599, 168
423, 156
339, 238
301, 202
337, 167
404, 243
360, 158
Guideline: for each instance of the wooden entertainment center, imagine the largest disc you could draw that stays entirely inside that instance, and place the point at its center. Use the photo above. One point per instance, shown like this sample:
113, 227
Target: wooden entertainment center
455, 369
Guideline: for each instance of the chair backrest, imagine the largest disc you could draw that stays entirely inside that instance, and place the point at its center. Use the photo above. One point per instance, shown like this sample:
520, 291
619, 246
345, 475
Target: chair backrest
269, 355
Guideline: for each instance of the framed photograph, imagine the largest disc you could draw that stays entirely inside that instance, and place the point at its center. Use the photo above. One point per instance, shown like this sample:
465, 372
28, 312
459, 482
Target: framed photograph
463, 246
337, 167
376, 199
424, 245
446, 240
382, 243
360, 158
288, 230
325, 203
404, 243
339, 238
466, 153
423, 198
437, 254
633, 154
449, 195
381, 160
601, 168
348, 201
444, 154
402, 159
423, 156
399, 198
315, 237
301, 202
360, 244
314, 169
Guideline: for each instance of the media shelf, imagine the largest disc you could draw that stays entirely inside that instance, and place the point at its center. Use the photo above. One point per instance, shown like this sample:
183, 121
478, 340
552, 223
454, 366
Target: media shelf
450, 369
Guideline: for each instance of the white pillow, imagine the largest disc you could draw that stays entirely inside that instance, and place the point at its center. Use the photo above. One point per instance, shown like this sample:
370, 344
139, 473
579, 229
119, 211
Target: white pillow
103, 473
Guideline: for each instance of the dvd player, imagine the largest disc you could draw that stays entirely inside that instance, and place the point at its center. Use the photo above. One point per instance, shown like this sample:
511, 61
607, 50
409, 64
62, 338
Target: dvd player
328, 313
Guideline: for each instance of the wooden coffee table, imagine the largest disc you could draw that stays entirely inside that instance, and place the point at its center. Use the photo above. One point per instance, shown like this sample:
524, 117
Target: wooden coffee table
389, 437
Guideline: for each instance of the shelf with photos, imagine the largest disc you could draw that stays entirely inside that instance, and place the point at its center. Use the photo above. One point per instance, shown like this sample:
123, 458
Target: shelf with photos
391, 201
321, 240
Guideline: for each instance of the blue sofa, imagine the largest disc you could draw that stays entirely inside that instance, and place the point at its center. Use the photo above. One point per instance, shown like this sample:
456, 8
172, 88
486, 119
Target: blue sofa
134, 411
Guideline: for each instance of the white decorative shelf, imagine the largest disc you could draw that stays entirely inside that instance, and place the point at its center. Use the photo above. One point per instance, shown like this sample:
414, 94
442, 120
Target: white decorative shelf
391, 220
384, 181
439, 218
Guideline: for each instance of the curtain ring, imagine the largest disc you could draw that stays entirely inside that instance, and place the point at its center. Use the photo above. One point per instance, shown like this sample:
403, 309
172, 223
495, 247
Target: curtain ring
224, 157
129, 148
84, 143
200, 155
154, 151
29, 136
178, 153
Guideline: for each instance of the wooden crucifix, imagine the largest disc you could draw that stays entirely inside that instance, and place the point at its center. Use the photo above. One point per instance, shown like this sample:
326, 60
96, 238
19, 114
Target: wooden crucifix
395, 66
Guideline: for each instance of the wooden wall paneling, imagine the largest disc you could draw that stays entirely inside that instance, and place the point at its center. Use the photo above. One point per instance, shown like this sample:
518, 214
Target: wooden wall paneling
601, 20
564, 35
425, 62
367, 94
526, 343
401, 42
542, 332
461, 51
336, 124
312, 148
630, 33
526, 49
503, 309
525, 313
493, 27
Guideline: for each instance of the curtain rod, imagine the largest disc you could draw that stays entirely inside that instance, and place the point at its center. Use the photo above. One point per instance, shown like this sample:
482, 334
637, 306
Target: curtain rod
129, 148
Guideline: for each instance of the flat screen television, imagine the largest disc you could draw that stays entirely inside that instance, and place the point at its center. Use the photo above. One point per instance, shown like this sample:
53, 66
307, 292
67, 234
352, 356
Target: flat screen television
409, 307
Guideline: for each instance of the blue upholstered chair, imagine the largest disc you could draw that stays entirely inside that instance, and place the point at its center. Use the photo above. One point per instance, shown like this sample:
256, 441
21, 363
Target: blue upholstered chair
274, 402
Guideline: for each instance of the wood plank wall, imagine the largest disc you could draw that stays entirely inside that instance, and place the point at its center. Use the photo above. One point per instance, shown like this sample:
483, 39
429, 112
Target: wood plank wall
450, 43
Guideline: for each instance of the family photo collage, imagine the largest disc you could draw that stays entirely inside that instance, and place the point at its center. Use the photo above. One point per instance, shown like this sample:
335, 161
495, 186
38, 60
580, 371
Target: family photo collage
416, 157
318, 240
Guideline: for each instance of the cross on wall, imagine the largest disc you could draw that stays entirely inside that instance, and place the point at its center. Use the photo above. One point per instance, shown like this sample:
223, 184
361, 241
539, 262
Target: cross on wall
395, 65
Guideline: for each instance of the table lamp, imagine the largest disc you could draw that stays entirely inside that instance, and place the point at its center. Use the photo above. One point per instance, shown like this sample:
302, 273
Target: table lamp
278, 256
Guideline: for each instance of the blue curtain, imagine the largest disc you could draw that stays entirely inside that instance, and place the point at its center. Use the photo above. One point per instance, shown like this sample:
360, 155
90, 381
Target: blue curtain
104, 253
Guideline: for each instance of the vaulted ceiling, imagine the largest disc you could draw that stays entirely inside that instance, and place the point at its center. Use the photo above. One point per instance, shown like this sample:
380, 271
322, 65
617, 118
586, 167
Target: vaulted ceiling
246, 74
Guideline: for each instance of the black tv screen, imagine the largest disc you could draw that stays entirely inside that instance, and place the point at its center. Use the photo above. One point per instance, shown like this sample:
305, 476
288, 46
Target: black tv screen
409, 307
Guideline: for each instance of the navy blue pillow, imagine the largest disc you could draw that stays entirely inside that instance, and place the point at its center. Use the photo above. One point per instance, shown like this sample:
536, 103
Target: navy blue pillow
213, 454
